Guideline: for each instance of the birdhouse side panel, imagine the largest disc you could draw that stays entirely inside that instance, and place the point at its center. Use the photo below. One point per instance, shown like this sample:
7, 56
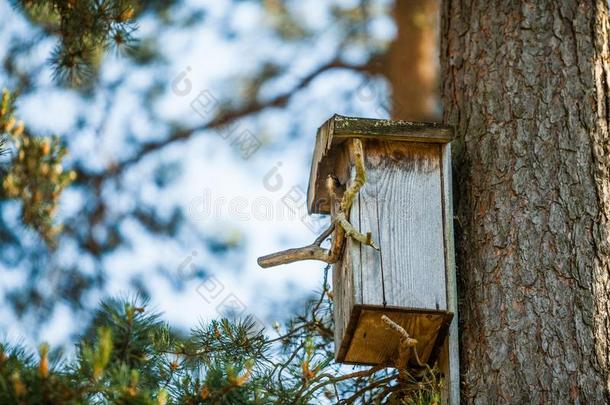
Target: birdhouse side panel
347, 275
346, 295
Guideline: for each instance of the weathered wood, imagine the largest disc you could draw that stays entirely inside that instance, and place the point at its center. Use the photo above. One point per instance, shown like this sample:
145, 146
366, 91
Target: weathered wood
401, 205
344, 298
394, 130
347, 281
405, 206
339, 128
309, 252
406, 187
371, 275
371, 341
450, 365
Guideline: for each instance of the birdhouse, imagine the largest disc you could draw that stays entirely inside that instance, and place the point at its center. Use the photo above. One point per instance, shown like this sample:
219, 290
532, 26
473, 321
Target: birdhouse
387, 186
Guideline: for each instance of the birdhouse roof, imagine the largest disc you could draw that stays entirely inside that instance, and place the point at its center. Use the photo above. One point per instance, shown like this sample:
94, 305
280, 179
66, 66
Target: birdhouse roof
337, 129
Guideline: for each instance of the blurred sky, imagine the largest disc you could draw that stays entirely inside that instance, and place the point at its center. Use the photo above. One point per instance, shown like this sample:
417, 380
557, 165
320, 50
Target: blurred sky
238, 200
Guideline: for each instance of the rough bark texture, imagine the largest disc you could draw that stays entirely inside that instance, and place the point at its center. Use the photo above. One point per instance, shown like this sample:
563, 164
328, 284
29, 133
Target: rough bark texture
412, 61
526, 85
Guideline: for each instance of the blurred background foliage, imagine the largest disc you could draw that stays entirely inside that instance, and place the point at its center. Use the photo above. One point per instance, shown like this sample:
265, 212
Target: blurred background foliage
35, 174
101, 75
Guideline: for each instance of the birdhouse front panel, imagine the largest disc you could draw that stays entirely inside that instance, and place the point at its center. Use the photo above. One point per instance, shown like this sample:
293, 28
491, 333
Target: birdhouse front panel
402, 207
400, 204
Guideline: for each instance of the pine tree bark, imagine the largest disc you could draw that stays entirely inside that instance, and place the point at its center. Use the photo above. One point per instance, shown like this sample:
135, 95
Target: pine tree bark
526, 86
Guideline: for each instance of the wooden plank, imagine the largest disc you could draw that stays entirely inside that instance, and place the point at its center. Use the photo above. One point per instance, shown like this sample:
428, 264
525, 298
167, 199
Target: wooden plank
321, 166
394, 130
373, 343
426, 136
347, 272
350, 297
408, 194
371, 259
340, 301
341, 290
354, 249
452, 344
331, 137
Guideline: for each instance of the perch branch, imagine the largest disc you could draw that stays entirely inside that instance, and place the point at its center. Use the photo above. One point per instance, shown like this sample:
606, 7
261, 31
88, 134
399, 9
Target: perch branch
340, 225
309, 252
357, 154
353, 233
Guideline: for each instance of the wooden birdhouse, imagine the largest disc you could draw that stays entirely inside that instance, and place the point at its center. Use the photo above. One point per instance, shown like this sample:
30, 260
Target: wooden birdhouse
387, 186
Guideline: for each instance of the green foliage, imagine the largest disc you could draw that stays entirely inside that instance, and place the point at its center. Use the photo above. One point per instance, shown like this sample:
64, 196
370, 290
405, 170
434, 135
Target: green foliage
35, 175
422, 388
129, 356
85, 28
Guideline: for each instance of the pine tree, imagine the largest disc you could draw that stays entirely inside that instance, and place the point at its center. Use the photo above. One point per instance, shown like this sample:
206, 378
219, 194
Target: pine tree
34, 174
130, 356
86, 30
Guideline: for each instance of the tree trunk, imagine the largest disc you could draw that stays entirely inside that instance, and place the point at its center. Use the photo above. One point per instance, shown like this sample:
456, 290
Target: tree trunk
526, 86
412, 61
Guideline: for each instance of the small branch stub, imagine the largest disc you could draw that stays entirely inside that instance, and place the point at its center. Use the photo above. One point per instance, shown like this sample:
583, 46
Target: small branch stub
405, 339
310, 252
407, 344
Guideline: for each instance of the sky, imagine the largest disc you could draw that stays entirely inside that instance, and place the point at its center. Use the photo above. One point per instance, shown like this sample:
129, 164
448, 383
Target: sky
254, 202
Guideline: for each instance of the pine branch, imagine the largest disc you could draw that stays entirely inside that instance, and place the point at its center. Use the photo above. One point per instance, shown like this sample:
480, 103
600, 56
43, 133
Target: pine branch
219, 121
129, 356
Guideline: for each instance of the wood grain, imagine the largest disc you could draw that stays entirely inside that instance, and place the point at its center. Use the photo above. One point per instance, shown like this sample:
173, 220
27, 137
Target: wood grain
336, 130
406, 205
451, 366
371, 274
405, 183
347, 288
372, 342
